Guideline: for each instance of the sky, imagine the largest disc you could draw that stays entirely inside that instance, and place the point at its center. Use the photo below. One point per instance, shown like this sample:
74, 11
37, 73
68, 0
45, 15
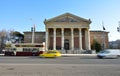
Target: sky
21, 15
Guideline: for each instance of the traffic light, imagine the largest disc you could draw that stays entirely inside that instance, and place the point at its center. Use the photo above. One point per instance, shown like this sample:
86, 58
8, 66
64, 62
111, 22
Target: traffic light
118, 29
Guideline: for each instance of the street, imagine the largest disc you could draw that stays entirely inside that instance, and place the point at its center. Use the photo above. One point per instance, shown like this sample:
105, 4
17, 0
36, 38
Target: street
63, 66
60, 60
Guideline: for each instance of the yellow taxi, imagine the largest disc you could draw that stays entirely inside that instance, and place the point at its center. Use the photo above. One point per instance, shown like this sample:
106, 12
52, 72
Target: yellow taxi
51, 54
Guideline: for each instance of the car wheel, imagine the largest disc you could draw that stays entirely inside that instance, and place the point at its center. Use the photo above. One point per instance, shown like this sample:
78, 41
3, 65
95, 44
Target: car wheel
100, 57
117, 56
55, 56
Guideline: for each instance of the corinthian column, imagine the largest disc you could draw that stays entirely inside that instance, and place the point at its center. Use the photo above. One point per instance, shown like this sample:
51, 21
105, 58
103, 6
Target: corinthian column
87, 37
46, 40
72, 39
62, 40
54, 39
80, 39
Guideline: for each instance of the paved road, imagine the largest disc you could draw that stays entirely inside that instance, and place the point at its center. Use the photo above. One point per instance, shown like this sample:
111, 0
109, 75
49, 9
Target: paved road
61, 60
63, 66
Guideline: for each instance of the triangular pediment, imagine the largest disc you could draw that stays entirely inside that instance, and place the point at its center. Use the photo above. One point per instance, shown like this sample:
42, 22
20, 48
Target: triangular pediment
67, 17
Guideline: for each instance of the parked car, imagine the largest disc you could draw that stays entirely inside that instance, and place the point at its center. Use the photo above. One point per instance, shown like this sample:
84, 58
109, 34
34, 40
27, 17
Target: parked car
51, 54
109, 53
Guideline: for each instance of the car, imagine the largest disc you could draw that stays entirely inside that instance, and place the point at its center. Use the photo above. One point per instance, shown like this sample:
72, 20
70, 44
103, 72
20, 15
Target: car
109, 53
51, 54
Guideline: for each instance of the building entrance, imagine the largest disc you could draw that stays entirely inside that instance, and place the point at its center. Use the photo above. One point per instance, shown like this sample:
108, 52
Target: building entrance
66, 44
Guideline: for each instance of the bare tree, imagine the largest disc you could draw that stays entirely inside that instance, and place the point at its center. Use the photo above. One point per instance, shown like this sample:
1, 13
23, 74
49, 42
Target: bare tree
4, 36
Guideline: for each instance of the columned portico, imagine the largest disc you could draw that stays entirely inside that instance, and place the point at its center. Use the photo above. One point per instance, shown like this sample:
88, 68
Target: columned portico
70, 37
67, 32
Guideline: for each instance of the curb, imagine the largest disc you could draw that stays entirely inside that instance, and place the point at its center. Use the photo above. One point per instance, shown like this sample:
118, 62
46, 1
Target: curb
79, 55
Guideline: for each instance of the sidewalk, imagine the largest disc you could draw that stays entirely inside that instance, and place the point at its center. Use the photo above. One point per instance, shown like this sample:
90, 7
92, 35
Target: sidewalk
67, 55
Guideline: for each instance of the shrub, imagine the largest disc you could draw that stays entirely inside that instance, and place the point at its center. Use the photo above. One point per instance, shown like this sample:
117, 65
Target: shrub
96, 46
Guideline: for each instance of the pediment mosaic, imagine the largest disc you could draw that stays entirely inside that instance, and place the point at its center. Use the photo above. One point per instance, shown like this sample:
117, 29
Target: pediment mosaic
67, 19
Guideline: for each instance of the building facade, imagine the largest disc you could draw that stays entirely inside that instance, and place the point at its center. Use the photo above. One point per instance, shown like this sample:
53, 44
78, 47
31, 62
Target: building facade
39, 37
68, 32
101, 37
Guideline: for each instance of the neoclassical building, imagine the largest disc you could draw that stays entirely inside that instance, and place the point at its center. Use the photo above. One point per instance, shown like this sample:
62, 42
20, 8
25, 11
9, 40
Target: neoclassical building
67, 32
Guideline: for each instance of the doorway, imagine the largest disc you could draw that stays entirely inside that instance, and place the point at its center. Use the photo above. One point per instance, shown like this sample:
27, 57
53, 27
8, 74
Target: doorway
66, 44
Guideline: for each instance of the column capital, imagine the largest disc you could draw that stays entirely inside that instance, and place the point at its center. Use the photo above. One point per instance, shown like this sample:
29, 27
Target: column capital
62, 28
87, 28
46, 29
72, 28
79, 28
54, 28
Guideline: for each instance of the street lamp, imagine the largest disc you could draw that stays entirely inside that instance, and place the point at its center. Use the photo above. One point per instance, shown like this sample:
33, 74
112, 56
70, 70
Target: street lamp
33, 32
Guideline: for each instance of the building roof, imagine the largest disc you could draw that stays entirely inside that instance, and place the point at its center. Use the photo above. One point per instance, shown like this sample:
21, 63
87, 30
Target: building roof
66, 16
98, 31
35, 32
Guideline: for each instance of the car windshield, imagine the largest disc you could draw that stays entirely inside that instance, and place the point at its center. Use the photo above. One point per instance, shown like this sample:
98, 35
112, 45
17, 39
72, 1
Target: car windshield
51, 52
105, 51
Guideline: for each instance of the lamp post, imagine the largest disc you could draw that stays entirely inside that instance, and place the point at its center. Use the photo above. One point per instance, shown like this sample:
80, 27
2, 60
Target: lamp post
33, 32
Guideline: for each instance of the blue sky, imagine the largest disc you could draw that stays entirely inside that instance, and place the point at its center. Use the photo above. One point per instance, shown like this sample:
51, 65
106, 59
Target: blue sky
16, 14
